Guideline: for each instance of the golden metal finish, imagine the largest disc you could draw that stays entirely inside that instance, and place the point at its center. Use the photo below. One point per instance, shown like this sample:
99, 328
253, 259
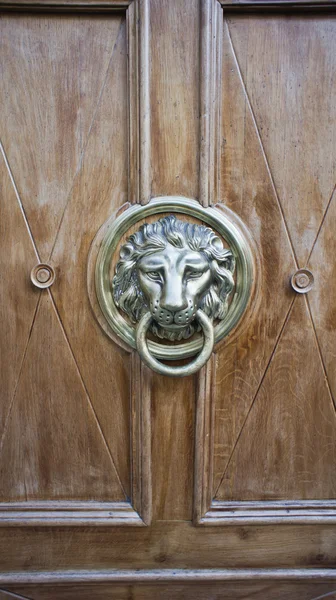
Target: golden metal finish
225, 224
178, 371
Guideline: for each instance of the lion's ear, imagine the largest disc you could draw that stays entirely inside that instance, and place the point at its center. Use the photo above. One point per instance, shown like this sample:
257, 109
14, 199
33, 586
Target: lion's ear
229, 261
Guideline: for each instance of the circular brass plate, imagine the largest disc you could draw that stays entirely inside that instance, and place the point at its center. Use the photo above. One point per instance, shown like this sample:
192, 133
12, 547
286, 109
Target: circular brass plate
223, 221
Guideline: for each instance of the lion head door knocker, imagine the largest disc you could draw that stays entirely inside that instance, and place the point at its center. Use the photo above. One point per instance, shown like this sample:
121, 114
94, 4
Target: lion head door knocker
173, 279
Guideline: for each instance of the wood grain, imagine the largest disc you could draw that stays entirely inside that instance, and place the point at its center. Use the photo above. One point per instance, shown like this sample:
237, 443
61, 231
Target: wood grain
322, 297
44, 128
99, 189
174, 545
5, 595
18, 299
175, 97
173, 415
288, 69
175, 161
59, 451
291, 429
211, 27
227, 591
246, 188
92, 6
139, 156
73, 138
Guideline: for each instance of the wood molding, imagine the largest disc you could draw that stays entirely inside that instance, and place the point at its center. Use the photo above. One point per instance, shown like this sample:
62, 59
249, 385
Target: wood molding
68, 513
211, 34
265, 6
65, 5
141, 439
298, 512
139, 102
164, 576
204, 442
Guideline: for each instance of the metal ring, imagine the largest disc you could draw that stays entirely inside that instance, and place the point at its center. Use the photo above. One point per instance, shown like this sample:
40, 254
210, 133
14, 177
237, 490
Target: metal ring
225, 223
194, 365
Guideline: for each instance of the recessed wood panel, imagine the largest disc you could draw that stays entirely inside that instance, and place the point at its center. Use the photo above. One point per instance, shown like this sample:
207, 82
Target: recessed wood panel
247, 189
288, 68
54, 72
53, 446
271, 105
287, 447
64, 128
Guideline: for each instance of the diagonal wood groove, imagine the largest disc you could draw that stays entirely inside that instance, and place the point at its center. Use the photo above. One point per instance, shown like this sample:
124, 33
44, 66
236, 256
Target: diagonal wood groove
321, 224
87, 393
327, 595
81, 159
20, 373
256, 394
320, 353
14, 595
2, 150
261, 143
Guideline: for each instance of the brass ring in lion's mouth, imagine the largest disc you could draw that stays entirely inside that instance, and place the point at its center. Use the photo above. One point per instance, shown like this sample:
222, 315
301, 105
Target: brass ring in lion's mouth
178, 371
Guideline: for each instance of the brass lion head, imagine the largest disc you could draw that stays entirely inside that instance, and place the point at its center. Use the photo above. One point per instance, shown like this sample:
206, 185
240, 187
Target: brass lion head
172, 268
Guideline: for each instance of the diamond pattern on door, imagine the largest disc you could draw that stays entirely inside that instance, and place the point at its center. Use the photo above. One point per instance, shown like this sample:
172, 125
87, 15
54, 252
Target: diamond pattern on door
292, 390
247, 189
45, 124
287, 448
18, 300
285, 63
59, 451
51, 433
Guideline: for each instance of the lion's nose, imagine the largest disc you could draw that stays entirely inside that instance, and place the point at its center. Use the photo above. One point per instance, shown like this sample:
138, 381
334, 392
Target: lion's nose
173, 298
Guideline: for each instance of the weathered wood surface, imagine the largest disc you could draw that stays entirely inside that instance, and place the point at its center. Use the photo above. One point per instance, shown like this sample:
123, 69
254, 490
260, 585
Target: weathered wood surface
167, 98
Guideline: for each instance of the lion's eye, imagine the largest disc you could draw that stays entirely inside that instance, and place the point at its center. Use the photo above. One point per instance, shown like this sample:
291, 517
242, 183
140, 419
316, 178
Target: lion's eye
193, 274
154, 275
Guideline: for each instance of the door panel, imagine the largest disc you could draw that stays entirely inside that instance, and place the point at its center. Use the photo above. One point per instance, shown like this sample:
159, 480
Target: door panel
64, 134
106, 105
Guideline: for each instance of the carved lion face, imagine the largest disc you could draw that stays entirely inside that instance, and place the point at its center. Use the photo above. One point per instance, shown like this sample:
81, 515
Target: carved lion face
172, 268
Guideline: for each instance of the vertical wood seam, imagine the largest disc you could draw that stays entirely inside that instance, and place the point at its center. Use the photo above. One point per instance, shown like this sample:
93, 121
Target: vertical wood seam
211, 37
141, 439
204, 440
139, 192
139, 159
211, 41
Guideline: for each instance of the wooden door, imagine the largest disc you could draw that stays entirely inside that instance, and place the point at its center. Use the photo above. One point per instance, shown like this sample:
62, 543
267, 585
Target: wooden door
116, 482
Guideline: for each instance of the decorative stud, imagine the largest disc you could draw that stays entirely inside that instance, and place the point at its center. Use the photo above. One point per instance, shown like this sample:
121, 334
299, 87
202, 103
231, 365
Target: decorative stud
302, 281
42, 275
